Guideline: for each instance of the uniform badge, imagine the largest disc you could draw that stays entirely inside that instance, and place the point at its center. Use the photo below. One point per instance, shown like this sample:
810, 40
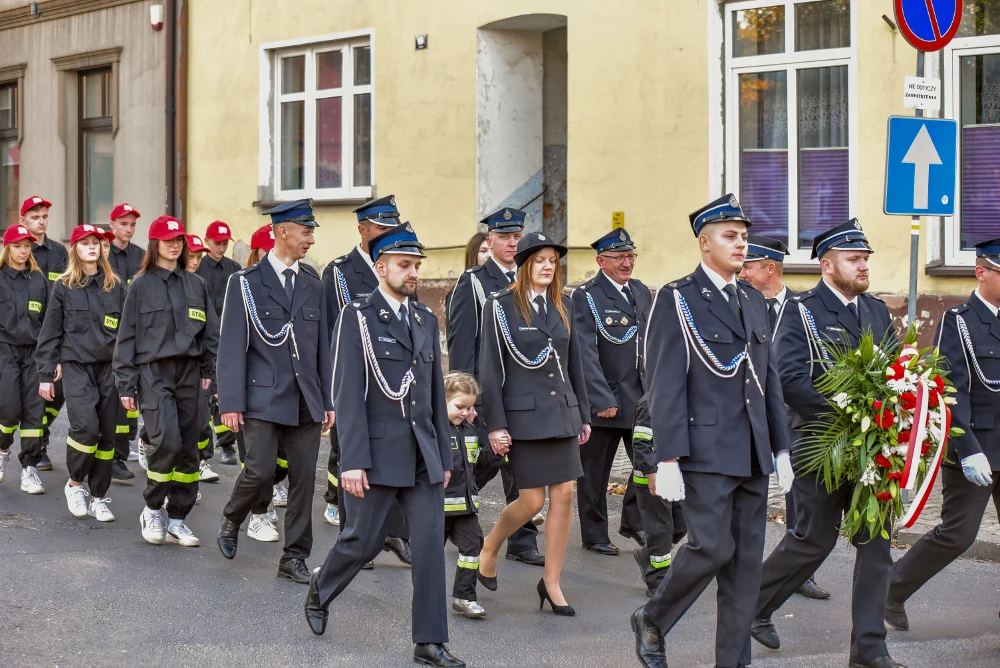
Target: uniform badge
706, 293
608, 320
383, 315
857, 225
733, 202
624, 321
506, 214
392, 201
416, 316
745, 295
409, 228
621, 235
383, 339
542, 237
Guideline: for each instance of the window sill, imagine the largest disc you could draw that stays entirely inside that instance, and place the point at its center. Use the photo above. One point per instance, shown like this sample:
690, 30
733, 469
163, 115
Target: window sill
269, 204
944, 270
804, 269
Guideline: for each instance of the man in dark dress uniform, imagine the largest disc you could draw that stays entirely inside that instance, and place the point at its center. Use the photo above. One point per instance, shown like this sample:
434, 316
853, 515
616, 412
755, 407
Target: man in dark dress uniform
347, 279
215, 269
394, 440
765, 269
969, 336
722, 427
274, 381
51, 257
611, 310
837, 310
465, 325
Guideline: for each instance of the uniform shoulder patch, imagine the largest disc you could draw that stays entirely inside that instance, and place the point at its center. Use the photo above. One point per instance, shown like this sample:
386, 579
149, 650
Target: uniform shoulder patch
341, 260
871, 297
248, 270
423, 307
680, 282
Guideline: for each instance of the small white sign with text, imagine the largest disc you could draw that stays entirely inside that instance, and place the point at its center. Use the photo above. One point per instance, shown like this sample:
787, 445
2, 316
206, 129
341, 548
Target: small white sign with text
922, 93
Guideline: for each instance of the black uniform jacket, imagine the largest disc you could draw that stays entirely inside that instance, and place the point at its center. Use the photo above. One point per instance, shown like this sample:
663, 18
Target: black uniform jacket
465, 313
216, 275
978, 408
166, 314
80, 325
711, 423
643, 449
263, 381
24, 297
834, 322
126, 262
376, 433
614, 371
51, 257
461, 496
547, 402
360, 280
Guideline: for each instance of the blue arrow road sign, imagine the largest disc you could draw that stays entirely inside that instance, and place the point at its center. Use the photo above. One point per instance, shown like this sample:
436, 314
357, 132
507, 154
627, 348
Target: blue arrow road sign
921, 166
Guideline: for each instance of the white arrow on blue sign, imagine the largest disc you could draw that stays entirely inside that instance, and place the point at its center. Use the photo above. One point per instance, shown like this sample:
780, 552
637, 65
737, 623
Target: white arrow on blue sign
921, 166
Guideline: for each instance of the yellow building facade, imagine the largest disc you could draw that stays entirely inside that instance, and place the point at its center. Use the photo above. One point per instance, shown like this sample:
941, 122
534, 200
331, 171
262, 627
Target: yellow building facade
576, 109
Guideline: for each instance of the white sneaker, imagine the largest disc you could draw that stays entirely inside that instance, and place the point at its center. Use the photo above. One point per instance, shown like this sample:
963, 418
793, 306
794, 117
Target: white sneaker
206, 474
262, 530
332, 515
76, 499
280, 496
272, 514
99, 509
133, 456
141, 456
30, 482
179, 533
152, 525
4, 458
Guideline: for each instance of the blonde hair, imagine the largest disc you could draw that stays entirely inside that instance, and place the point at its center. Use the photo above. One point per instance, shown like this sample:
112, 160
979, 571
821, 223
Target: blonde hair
75, 277
5, 259
459, 382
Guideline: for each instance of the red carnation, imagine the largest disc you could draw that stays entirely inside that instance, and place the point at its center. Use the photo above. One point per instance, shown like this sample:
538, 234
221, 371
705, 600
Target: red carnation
908, 401
883, 461
903, 437
895, 475
938, 383
883, 496
885, 419
894, 372
926, 449
877, 405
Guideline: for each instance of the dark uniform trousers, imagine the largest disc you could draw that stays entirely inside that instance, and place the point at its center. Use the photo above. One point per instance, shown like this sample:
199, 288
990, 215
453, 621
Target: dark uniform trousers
364, 534
52, 409
664, 525
466, 534
20, 403
252, 490
335, 495
92, 407
170, 400
597, 456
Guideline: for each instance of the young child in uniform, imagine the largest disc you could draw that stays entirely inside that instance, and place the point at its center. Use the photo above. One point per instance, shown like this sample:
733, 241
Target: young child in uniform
77, 339
662, 521
461, 497
24, 296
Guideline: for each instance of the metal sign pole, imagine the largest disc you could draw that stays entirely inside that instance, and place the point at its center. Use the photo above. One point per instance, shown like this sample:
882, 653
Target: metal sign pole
911, 306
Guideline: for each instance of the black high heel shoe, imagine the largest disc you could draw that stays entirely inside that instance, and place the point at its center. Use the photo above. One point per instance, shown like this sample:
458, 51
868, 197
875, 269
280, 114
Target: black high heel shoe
543, 595
489, 583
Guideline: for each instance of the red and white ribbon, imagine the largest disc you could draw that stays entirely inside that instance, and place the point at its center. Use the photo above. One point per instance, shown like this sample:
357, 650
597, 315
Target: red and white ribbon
918, 433
920, 500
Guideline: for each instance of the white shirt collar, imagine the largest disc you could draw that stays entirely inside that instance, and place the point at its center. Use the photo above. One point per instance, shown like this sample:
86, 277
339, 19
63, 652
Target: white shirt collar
615, 283
280, 267
993, 309
367, 257
532, 294
394, 303
717, 280
782, 296
502, 268
843, 300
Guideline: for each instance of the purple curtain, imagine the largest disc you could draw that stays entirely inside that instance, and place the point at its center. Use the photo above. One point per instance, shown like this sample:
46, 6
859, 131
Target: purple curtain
764, 191
824, 191
980, 184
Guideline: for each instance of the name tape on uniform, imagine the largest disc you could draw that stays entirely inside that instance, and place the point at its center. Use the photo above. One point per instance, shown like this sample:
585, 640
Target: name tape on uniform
35, 307
110, 322
922, 93
196, 314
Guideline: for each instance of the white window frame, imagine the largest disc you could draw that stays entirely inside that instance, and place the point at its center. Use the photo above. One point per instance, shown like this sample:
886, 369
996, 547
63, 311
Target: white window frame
790, 61
954, 256
271, 100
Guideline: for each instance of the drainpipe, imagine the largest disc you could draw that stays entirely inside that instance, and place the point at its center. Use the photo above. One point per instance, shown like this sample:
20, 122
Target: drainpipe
170, 22
181, 107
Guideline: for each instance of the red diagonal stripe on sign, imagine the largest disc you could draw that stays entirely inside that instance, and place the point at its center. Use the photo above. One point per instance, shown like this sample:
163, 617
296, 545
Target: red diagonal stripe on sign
933, 17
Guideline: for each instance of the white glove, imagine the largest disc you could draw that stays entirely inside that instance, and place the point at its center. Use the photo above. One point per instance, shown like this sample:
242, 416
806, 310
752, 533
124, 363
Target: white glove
669, 481
977, 469
783, 467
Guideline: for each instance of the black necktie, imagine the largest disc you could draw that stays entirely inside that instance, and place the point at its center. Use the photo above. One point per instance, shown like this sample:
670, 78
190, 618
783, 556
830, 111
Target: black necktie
404, 316
772, 312
734, 302
540, 300
289, 284
853, 308
511, 275
628, 295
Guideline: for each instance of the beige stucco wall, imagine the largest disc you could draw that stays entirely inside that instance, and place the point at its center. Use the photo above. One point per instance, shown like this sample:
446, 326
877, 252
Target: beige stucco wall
639, 117
48, 166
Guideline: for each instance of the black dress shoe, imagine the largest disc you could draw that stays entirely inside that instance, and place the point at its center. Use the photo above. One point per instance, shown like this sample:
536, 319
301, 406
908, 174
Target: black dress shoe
879, 662
810, 589
531, 557
400, 547
895, 616
316, 614
638, 536
229, 536
763, 631
603, 548
370, 566
294, 570
648, 641
227, 456
436, 654
120, 472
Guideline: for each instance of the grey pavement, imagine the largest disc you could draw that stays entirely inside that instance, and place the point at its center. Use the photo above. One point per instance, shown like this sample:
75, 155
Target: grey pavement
77, 592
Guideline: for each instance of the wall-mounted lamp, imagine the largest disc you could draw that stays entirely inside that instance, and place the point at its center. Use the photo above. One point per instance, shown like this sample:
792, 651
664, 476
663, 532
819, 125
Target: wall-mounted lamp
890, 22
34, 9
421, 42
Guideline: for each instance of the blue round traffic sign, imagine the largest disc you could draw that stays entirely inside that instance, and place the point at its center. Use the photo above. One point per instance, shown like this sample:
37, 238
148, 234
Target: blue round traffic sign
928, 25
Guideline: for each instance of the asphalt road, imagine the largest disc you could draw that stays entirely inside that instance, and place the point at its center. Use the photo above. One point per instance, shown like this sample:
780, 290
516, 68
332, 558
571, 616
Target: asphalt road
75, 592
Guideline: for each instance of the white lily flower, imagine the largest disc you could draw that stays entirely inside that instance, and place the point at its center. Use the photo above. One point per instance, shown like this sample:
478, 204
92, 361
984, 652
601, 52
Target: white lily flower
870, 476
866, 422
842, 400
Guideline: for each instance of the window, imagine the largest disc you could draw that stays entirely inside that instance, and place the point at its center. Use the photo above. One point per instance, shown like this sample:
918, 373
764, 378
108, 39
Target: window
97, 154
972, 69
789, 86
322, 120
9, 155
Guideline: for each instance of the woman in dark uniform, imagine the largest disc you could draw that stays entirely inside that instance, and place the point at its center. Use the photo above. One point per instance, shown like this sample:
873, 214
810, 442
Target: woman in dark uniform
535, 405
167, 342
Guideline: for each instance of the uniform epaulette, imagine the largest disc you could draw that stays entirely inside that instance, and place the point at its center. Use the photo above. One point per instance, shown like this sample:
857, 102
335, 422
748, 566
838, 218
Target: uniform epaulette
503, 291
872, 297
747, 284
961, 308
341, 260
423, 307
589, 283
309, 270
246, 270
680, 282
803, 295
